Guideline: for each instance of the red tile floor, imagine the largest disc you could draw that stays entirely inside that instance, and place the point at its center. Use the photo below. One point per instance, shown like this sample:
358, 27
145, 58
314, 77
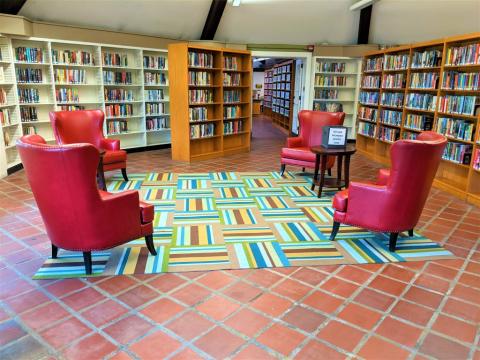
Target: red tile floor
419, 310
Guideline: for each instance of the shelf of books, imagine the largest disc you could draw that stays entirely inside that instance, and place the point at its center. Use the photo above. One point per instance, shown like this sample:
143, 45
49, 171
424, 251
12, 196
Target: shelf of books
336, 82
426, 86
283, 91
210, 101
268, 92
40, 75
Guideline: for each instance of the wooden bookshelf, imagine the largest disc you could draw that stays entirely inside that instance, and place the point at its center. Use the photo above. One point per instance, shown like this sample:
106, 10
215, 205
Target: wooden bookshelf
336, 85
215, 85
80, 82
283, 91
425, 82
268, 92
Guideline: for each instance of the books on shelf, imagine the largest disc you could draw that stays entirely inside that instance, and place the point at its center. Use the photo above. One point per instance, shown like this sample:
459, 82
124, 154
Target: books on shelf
118, 95
67, 95
231, 96
326, 94
28, 96
392, 99
330, 80
154, 62
423, 80
29, 54
6, 138
463, 55
458, 153
426, 59
407, 135
232, 79
202, 78
29, 75
425, 102
29, 130
154, 95
200, 59
391, 117
456, 128
374, 64
5, 118
418, 122
114, 59
72, 107
70, 76
117, 77
367, 113
395, 62
464, 105
72, 57
230, 62
391, 81
232, 127
335, 67
388, 134
328, 106
200, 96
154, 108
366, 128
117, 127
152, 78
28, 113
114, 110
454, 80
156, 123
3, 97
202, 130
369, 97
476, 160
231, 112
198, 113
371, 81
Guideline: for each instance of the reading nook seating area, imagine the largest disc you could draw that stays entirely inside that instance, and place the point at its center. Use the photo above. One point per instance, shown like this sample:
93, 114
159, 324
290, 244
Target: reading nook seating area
195, 182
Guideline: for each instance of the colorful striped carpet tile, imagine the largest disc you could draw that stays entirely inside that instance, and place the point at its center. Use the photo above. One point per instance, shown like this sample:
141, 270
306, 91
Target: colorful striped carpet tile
198, 204
160, 177
303, 201
194, 193
260, 255
224, 176
160, 218
347, 232
229, 193
116, 186
163, 235
311, 253
255, 175
238, 217
248, 234
195, 217
287, 175
191, 184
317, 214
258, 183
415, 247
152, 195
195, 256
194, 176
194, 235
281, 215
299, 231
271, 202
298, 190
137, 260
235, 203
227, 183
71, 265
274, 191
368, 251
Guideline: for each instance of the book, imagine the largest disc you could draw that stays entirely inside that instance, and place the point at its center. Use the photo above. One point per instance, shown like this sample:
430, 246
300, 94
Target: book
28, 113
29, 54
118, 95
373, 64
454, 80
154, 62
115, 110
371, 81
198, 113
29, 75
456, 128
418, 122
395, 62
203, 78
72, 57
70, 76
156, 123
114, 59
463, 55
424, 80
367, 129
335, 67
426, 59
367, 113
391, 117
117, 77
67, 95
369, 97
454, 104
200, 59
392, 99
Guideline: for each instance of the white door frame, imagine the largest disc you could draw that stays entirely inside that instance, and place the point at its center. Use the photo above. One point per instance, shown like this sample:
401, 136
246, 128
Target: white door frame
307, 56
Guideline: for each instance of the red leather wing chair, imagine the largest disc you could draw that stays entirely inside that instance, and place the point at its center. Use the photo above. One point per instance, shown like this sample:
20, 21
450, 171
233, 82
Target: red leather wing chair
76, 214
394, 204
86, 126
297, 152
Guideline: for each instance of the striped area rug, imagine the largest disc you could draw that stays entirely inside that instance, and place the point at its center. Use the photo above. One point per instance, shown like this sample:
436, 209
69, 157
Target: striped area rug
230, 220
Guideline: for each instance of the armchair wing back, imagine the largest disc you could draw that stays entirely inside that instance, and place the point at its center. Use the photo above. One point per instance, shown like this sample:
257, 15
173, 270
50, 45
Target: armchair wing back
297, 152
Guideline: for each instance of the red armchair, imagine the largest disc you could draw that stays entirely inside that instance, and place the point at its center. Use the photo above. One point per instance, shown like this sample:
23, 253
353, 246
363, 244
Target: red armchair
297, 152
394, 204
86, 126
76, 214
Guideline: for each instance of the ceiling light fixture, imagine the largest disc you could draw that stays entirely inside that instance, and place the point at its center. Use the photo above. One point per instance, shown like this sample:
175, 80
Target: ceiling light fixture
361, 4
236, 2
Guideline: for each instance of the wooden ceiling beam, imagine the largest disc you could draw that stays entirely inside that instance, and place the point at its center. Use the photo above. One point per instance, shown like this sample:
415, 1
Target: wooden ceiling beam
364, 25
213, 19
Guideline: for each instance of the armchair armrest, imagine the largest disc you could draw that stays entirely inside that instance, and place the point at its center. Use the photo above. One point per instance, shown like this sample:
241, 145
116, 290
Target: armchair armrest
110, 144
124, 206
383, 176
293, 142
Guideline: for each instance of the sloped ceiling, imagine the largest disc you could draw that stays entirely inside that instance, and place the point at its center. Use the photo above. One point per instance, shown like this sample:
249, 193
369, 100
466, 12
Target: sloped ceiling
267, 21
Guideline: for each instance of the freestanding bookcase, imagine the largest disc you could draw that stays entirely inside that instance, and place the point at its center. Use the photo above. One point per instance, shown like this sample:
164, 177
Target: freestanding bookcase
432, 85
210, 101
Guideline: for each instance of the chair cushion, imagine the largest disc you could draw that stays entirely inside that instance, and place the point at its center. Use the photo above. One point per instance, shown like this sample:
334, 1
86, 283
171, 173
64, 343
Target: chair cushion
383, 176
114, 156
146, 211
300, 153
340, 200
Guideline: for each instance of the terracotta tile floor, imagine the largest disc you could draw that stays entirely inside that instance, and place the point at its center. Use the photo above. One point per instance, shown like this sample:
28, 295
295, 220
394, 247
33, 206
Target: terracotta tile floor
420, 310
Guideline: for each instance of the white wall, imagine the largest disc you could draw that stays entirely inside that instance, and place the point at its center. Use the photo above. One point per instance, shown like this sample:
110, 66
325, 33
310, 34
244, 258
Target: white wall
258, 79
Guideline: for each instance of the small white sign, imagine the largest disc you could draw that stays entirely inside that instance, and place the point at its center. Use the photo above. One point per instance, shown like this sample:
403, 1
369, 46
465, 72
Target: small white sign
336, 136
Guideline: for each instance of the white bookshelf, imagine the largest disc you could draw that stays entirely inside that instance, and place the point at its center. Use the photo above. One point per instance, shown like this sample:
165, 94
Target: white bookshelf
59, 70
329, 93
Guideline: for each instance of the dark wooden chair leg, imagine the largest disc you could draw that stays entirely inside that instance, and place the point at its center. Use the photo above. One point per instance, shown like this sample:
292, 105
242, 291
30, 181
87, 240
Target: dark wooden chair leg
150, 246
329, 172
54, 251
87, 258
393, 241
282, 169
335, 228
303, 169
410, 232
124, 174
